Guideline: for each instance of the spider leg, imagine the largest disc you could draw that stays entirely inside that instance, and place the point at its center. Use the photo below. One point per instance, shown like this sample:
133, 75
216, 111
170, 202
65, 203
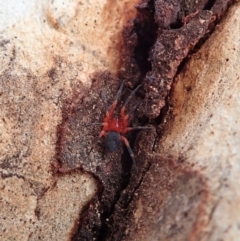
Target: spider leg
104, 124
131, 95
135, 107
138, 128
124, 139
123, 109
119, 91
104, 100
95, 124
113, 106
102, 133
95, 141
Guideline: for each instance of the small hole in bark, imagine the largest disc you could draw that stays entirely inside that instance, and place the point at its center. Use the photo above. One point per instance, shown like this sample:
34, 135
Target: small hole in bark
209, 4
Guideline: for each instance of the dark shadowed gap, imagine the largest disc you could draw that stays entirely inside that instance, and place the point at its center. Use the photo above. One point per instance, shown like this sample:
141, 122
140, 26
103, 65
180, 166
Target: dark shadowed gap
157, 121
146, 29
209, 4
106, 216
87, 219
178, 24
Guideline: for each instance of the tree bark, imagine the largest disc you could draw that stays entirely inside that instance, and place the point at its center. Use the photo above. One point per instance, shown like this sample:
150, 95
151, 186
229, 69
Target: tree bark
187, 189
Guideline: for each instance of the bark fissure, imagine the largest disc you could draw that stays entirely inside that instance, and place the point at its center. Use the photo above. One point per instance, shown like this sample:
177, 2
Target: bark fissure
155, 47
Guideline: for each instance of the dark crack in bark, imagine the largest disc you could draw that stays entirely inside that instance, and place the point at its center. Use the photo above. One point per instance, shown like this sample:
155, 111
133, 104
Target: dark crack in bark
142, 203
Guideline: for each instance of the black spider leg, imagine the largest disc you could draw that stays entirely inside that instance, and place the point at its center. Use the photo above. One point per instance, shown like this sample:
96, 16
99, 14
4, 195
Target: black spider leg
131, 95
124, 106
95, 140
124, 139
130, 151
139, 128
135, 107
93, 124
119, 92
104, 99
111, 109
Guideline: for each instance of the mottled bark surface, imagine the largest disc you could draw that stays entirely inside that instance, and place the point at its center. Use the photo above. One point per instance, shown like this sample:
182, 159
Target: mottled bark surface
57, 61
48, 51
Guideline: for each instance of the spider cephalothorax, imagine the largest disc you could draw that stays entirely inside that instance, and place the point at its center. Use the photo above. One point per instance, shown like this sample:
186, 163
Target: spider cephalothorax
114, 128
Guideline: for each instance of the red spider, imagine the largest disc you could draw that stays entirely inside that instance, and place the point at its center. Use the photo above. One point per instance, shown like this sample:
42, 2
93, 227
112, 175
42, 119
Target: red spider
114, 128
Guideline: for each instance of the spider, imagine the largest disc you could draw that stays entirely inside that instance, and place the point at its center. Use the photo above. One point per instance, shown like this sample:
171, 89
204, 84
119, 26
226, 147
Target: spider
114, 128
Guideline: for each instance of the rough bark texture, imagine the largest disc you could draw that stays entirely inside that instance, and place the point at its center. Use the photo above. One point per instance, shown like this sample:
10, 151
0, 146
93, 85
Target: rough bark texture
48, 51
204, 126
53, 58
